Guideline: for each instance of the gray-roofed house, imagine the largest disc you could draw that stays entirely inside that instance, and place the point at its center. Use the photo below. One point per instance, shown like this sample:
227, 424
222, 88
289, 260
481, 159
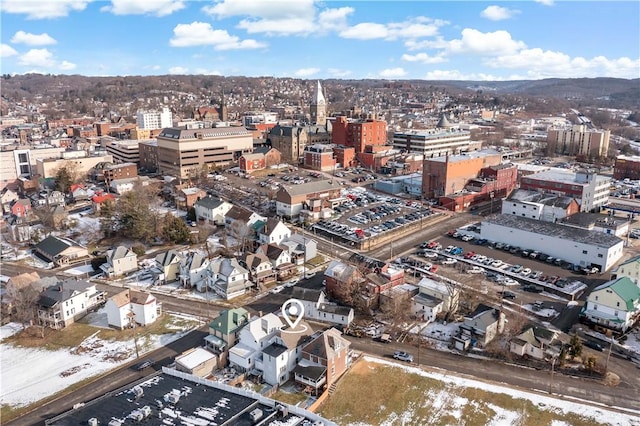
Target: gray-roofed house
534, 342
241, 216
120, 261
318, 308
483, 324
260, 268
324, 360
212, 210
279, 258
228, 279
168, 264
311, 197
193, 271
301, 248
60, 250
629, 268
66, 301
273, 231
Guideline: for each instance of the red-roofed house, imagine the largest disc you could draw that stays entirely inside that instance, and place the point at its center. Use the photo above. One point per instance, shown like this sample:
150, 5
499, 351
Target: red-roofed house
99, 200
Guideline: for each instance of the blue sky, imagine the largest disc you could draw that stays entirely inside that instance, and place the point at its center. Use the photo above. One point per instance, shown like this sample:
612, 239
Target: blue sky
433, 40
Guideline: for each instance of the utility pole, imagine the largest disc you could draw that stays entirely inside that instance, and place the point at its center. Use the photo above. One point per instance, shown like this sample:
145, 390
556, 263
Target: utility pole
606, 364
553, 363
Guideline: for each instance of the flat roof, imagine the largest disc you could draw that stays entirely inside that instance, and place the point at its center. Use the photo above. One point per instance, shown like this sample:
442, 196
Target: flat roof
201, 402
466, 156
554, 174
570, 233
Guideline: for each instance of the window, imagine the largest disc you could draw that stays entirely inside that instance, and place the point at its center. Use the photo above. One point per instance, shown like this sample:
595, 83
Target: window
584, 252
618, 304
596, 297
600, 255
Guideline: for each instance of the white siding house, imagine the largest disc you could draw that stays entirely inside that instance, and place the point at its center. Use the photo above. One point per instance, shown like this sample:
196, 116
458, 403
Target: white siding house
130, 308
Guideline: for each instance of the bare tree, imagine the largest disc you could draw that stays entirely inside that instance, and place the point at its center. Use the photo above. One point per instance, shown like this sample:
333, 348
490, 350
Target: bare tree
241, 233
23, 302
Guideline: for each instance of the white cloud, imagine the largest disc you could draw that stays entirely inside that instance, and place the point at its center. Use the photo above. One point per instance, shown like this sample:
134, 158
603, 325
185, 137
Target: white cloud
33, 39
204, 71
424, 58
6, 51
37, 58
178, 70
392, 73
334, 19
339, 73
202, 34
540, 63
144, 7
545, 2
498, 13
457, 75
67, 66
43, 9
487, 44
306, 72
418, 27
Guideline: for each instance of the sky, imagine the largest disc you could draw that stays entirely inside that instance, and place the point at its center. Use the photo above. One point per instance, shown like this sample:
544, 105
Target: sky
309, 39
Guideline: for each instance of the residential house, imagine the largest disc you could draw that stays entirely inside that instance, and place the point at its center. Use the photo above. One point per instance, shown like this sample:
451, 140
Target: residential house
224, 329
483, 325
212, 210
341, 279
283, 353
7, 197
301, 248
318, 308
273, 231
193, 271
614, 305
228, 279
16, 284
324, 360
79, 192
168, 264
197, 361
66, 301
130, 308
252, 339
308, 198
60, 250
260, 268
120, 261
98, 200
629, 268
54, 198
534, 342
239, 216
120, 186
20, 207
435, 298
188, 197
280, 259
259, 159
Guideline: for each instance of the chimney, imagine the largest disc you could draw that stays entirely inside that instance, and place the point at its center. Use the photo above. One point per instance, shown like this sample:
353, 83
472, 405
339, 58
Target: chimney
260, 314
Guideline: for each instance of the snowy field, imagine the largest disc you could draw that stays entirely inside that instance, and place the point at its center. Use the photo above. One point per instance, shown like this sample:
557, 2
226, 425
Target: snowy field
453, 404
31, 374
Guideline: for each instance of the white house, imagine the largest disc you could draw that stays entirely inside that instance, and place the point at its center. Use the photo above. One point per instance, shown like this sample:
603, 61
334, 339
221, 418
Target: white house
273, 231
212, 210
61, 304
433, 298
120, 186
227, 278
252, 339
575, 245
193, 271
120, 261
276, 254
130, 308
483, 324
317, 308
534, 342
280, 358
614, 304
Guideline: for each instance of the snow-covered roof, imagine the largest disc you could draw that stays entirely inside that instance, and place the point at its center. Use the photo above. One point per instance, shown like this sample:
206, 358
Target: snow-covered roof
196, 357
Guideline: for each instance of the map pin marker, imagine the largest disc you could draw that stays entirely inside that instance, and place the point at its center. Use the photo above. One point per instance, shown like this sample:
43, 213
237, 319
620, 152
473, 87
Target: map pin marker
293, 311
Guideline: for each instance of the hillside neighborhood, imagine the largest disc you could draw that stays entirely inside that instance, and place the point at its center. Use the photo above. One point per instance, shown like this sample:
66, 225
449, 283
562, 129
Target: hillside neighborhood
401, 234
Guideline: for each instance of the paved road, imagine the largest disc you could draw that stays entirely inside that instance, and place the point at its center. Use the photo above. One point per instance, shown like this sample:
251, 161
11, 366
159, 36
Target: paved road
113, 380
624, 395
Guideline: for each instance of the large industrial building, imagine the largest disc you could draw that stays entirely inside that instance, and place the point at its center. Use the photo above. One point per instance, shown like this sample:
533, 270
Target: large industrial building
185, 152
578, 246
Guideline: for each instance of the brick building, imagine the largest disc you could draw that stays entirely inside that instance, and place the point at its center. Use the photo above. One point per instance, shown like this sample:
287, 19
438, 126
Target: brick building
148, 154
319, 157
358, 133
312, 196
627, 167
260, 159
493, 182
345, 156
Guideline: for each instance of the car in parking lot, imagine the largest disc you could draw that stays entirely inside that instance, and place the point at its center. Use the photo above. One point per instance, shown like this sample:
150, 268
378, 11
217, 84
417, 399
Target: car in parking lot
403, 356
449, 261
508, 295
533, 288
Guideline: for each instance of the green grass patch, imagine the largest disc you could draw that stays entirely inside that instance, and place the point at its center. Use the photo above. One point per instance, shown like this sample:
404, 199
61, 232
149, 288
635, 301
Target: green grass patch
316, 261
428, 401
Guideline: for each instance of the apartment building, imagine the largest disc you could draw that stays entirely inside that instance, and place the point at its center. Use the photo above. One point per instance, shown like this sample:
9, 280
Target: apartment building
124, 151
184, 152
435, 142
579, 141
149, 120
358, 133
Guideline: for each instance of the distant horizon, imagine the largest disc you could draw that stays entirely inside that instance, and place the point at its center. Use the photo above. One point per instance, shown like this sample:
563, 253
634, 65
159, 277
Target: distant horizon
311, 39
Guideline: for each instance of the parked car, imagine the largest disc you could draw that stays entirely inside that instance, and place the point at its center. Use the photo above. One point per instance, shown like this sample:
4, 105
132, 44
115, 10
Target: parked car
403, 356
532, 288
508, 295
144, 364
594, 345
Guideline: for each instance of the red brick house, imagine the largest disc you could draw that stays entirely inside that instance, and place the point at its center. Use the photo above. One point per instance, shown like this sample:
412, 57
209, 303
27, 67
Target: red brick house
259, 159
21, 207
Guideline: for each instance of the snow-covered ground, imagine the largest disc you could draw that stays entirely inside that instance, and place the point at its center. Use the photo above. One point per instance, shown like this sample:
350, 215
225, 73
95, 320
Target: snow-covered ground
31, 374
453, 404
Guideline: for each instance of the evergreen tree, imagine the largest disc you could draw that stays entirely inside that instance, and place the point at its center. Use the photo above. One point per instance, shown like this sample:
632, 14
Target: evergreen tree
175, 230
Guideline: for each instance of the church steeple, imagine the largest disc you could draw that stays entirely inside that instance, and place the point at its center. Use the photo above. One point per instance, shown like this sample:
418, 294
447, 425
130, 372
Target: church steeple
318, 107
